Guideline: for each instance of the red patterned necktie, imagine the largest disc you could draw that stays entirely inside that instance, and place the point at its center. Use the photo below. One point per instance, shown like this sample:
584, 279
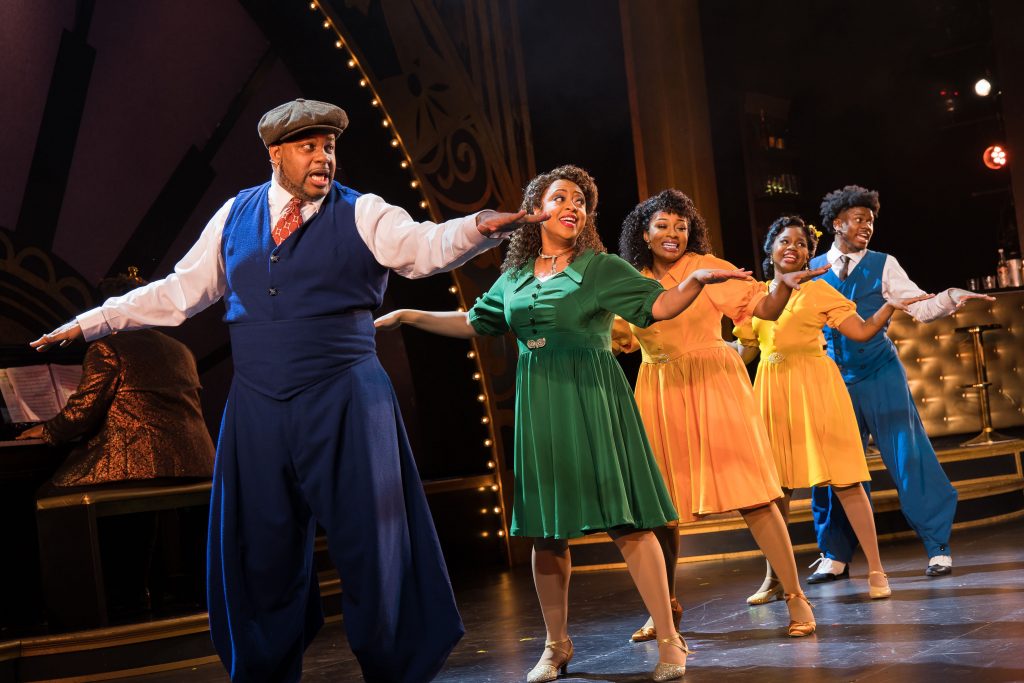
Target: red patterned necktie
289, 221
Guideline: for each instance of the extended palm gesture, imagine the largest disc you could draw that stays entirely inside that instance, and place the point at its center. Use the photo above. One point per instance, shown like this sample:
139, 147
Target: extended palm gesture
793, 280
904, 304
961, 296
710, 276
63, 335
496, 223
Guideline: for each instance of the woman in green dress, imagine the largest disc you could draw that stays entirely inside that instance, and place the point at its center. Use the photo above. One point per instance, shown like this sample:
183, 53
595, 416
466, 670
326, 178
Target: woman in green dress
582, 461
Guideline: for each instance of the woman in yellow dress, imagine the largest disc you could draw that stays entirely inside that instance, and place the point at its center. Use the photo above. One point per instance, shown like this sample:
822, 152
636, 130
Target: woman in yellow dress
695, 397
804, 402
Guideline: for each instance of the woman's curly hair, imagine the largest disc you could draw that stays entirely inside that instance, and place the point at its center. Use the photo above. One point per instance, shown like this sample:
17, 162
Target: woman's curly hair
633, 247
850, 196
525, 242
777, 227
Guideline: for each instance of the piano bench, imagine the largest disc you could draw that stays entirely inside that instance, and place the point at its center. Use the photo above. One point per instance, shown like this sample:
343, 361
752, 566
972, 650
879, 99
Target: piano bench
69, 544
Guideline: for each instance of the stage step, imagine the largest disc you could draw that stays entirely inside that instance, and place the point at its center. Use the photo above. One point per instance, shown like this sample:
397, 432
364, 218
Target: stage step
989, 481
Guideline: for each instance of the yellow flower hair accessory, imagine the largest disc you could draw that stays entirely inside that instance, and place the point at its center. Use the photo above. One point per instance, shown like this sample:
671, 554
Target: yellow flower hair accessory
817, 233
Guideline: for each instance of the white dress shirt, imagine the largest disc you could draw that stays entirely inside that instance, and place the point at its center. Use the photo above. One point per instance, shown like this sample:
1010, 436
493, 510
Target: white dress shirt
410, 248
896, 285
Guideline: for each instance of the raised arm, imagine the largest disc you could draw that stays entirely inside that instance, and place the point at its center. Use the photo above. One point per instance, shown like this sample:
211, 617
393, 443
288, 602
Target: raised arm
197, 282
417, 249
897, 286
772, 306
445, 323
674, 301
858, 329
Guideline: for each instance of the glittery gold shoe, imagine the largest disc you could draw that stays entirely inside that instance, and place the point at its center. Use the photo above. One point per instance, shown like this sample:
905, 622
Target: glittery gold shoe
766, 596
542, 673
666, 671
879, 592
799, 629
647, 631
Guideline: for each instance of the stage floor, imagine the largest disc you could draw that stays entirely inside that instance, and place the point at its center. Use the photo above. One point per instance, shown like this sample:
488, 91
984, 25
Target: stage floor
968, 626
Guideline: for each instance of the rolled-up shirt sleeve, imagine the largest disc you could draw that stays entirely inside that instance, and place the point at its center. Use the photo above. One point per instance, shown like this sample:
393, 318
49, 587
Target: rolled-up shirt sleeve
416, 249
897, 285
197, 282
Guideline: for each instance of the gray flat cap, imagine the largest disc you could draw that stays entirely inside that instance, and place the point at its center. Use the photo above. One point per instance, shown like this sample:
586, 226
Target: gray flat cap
300, 115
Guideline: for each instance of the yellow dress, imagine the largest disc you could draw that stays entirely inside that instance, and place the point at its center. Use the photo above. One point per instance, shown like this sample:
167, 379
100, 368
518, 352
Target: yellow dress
803, 398
696, 401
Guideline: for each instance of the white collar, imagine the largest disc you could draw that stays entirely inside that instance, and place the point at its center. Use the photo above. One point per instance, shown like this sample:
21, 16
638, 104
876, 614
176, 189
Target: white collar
278, 198
855, 256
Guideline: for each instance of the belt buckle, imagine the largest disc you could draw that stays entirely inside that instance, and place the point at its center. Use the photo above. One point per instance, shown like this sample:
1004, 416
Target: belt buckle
775, 358
539, 343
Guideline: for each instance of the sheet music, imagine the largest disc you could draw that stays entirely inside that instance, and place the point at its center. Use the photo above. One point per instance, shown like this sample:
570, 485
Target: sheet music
66, 379
34, 394
13, 407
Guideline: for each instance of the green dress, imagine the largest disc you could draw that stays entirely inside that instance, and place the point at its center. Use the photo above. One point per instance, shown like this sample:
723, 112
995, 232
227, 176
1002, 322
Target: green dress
582, 461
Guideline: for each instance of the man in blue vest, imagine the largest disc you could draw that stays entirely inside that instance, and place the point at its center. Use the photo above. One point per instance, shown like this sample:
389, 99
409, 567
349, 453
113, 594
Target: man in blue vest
311, 431
878, 386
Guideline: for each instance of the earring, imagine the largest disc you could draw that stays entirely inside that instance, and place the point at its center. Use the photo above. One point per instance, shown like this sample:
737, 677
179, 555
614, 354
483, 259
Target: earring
648, 245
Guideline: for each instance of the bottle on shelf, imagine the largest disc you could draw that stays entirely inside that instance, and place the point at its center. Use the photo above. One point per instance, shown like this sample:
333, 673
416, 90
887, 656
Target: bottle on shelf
1002, 271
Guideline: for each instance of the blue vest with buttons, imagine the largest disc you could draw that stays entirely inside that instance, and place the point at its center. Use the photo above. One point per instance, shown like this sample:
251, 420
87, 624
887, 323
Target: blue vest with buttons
324, 268
301, 311
858, 360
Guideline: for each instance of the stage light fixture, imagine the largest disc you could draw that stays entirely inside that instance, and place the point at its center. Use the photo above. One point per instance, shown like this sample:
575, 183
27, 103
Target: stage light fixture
983, 87
995, 157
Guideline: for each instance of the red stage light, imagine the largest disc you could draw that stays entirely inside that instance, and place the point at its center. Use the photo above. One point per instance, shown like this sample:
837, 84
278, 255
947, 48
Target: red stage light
995, 157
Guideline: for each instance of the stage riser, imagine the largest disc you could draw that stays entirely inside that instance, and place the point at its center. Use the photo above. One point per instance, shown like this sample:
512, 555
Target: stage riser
95, 655
82, 666
989, 482
739, 543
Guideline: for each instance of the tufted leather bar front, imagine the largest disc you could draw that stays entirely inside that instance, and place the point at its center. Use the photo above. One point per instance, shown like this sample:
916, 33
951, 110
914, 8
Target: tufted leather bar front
939, 360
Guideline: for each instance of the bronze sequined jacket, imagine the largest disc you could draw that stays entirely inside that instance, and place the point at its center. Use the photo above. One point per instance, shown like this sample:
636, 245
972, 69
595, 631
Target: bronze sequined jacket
137, 410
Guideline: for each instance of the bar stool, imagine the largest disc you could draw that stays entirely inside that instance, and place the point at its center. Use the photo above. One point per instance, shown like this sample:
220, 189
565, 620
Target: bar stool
988, 435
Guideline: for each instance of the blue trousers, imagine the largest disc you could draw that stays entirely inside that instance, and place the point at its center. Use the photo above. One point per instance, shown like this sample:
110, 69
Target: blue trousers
885, 409
334, 453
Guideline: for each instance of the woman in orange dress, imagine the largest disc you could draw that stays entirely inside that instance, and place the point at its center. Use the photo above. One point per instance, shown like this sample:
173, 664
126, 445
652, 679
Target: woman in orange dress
803, 399
695, 396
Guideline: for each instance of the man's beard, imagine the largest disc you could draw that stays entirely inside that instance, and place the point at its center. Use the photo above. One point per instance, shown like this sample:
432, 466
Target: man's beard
295, 189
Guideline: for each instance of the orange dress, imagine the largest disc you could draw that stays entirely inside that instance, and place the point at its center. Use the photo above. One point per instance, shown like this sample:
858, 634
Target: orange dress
804, 401
696, 400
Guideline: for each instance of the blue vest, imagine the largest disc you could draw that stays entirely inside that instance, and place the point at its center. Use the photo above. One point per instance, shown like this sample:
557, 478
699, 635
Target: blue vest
301, 311
858, 360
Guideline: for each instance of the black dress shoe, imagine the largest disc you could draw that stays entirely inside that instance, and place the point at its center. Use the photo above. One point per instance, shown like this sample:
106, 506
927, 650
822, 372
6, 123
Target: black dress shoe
824, 573
818, 577
938, 570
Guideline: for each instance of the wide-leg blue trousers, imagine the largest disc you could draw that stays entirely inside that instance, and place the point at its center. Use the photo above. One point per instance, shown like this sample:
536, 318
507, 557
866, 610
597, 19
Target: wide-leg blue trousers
333, 452
885, 409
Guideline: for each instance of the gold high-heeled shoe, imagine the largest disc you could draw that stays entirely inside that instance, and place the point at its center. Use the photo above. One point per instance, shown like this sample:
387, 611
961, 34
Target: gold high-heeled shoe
766, 596
645, 632
879, 592
799, 629
666, 671
542, 673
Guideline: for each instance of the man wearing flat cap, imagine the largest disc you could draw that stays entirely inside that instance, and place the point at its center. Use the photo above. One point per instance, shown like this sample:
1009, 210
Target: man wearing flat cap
311, 430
